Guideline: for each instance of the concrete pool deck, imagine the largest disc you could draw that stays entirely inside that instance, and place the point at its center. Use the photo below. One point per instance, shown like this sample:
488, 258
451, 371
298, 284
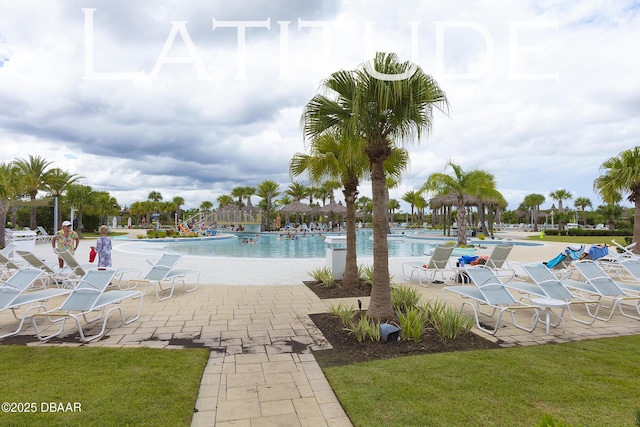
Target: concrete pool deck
253, 315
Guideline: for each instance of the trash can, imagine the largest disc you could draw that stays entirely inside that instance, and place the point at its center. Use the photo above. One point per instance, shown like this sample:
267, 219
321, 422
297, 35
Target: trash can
336, 254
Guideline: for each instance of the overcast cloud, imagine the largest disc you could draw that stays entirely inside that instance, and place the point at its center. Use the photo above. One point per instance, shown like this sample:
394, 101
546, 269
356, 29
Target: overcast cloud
541, 92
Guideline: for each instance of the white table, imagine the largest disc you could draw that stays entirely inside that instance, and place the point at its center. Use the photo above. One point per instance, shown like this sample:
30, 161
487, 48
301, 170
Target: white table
547, 305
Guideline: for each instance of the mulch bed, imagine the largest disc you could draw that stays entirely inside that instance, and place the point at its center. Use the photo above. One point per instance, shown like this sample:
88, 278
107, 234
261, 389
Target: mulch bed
347, 350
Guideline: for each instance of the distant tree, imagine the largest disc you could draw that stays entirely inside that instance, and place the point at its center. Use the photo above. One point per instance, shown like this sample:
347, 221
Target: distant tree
206, 206
394, 205
268, 190
79, 196
10, 188
559, 195
154, 196
621, 175
581, 203
35, 176
57, 183
177, 203
534, 201
297, 191
411, 197
476, 183
224, 200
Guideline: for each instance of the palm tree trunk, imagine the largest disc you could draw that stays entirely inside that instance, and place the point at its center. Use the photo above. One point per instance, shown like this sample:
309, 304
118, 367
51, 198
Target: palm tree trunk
380, 304
350, 277
636, 226
462, 223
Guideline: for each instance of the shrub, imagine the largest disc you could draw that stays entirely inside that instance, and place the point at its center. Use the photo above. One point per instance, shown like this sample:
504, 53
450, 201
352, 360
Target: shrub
365, 273
451, 324
364, 328
481, 236
433, 310
343, 312
324, 275
412, 324
404, 297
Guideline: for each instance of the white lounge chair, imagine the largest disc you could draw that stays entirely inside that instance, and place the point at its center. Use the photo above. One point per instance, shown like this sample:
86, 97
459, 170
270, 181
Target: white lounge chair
15, 295
488, 291
600, 285
163, 277
89, 297
42, 236
548, 286
76, 271
8, 265
437, 263
53, 275
498, 261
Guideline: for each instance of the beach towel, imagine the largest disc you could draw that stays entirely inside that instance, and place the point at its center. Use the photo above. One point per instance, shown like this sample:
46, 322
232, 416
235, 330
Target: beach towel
598, 251
555, 261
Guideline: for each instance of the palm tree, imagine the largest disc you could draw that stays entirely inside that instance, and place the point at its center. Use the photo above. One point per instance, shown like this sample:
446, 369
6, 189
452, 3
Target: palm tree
534, 201
297, 191
394, 205
474, 183
239, 193
103, 204
224, 200
268, 190
206, 206
79, 196
57, 183
10, 188
383, 103
35, 175
581, 203
364, 205
411, 197
559, 195
248, 192
177, 203
154, 196
337, 157
621, 175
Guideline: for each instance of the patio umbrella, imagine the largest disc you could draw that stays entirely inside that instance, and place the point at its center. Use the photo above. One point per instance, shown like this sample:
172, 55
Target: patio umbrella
297, 207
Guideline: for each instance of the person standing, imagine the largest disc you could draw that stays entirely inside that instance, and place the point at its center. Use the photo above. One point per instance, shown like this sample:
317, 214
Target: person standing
103, 247
65, 240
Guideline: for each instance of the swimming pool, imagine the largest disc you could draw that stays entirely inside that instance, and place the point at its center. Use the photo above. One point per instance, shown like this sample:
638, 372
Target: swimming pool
271, 245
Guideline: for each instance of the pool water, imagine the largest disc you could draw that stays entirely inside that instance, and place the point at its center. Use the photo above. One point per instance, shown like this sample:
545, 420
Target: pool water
271, 245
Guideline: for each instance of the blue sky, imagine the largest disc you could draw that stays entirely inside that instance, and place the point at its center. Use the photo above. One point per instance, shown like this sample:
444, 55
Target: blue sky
194, 98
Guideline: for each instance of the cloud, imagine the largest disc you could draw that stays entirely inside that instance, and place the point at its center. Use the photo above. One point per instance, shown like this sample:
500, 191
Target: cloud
540, 93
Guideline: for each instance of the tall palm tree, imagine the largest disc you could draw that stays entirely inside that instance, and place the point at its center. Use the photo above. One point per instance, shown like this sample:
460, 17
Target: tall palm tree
621, 175
34, 170
224, 200
383, 102
394, 205
206, 206
239, 193
411, 197
57, 183
337, 157
476, 183
154, 196
10, 188
104, 204
297, 191
559, 195
364, 205
177, 205
268, 190
534, 201
79, 196
581, 203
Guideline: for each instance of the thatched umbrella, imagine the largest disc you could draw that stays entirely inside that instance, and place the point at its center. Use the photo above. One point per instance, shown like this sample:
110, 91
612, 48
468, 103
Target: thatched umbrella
445, 202
333, 208
297, 207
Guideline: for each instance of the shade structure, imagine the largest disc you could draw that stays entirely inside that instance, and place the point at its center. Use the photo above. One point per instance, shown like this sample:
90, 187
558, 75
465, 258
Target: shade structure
297, 207
333, 208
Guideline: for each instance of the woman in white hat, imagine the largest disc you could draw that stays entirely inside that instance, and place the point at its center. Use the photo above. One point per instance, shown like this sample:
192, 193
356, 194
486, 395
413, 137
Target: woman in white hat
65, 240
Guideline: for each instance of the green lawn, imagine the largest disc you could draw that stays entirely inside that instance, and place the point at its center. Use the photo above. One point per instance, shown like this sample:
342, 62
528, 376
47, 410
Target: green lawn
586, 383
110, 386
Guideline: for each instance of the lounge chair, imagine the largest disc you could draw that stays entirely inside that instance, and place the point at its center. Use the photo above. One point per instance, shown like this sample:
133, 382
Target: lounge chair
7, 265
498, 262
42, 236
600, 285
76, 271
626, 251
547, 285
487, 290
88, 297
53, 275
15, 294
632, 267
163, 277
438, 263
